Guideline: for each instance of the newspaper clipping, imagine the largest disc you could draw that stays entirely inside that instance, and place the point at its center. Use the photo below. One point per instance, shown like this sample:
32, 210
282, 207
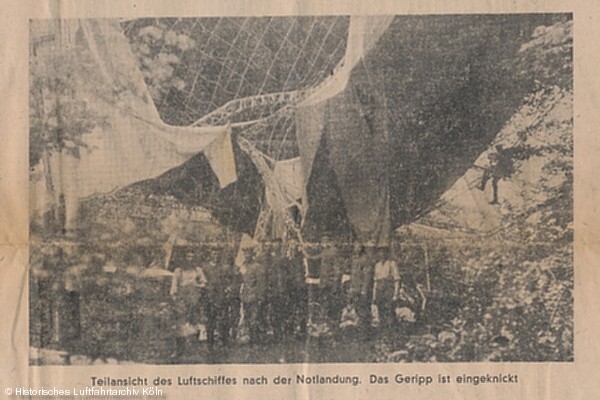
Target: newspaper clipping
315, 204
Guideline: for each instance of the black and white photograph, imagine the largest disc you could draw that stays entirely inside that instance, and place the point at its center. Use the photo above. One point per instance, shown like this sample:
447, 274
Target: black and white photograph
301, 189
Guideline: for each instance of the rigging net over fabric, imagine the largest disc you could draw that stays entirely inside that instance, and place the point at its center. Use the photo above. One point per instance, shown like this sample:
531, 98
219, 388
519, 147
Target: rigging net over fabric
138, 145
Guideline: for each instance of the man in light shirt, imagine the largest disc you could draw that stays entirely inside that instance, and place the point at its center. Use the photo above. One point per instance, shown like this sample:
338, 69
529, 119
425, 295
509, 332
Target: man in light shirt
386, 287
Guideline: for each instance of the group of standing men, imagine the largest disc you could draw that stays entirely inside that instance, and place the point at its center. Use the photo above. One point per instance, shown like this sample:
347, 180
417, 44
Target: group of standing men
368, 276
271, 290
274, 291
267, 292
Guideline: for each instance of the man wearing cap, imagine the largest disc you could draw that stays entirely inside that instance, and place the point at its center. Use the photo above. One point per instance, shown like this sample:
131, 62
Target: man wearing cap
188, 289
361, 284
279, 290
232, 294
253, 293
216, 305
330, 281
386, 287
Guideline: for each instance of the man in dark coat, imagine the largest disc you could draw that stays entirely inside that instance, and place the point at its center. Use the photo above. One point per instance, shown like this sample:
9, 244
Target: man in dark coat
330, 281
361, 285
253, 294
220, 309
289, 293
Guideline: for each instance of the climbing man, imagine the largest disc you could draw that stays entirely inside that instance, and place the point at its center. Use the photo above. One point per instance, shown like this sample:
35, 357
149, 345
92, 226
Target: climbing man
501, 167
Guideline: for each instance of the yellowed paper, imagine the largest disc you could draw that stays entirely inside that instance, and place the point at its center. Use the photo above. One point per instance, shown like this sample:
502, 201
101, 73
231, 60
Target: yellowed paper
173, 119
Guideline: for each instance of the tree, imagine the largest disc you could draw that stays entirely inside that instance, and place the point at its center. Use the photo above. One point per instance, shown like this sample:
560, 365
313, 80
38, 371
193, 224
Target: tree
58, 116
